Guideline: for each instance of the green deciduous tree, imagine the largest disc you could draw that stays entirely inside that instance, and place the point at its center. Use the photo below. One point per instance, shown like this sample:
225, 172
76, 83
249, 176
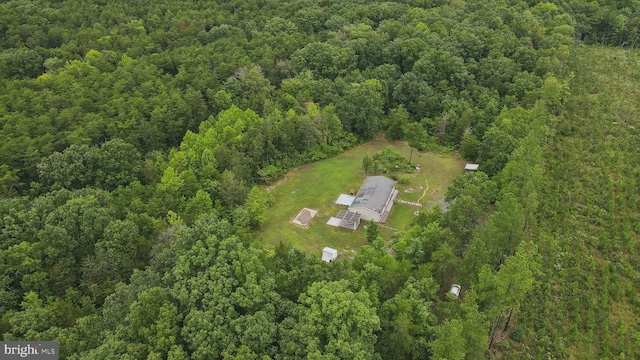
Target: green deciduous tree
361, 107
504, 229
72, 169
398, 120
118, 164
332, 321
407, 321
21, 63
256, 205
366, 164
34, 318
153, 321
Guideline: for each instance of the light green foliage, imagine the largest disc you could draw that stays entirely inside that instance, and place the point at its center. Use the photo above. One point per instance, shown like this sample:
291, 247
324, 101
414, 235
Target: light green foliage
373, 232
198, 205
517, 277
390, 162
416, 136
32, 320
366, 164
553, 95
504, 292
256, 206
333, 321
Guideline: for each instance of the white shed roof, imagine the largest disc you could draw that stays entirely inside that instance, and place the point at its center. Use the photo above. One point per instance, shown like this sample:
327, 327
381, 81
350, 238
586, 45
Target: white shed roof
329, 254
471, 167
345, 199
334, 221
455, 290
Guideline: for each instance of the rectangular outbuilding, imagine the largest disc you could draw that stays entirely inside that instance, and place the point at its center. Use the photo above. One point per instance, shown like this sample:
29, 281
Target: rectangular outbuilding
329, 254
471, 167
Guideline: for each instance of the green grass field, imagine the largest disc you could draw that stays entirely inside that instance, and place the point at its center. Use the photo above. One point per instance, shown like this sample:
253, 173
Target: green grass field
318, 185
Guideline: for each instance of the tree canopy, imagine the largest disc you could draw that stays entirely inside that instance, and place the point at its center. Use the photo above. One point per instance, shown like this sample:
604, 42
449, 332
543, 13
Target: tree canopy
138, 138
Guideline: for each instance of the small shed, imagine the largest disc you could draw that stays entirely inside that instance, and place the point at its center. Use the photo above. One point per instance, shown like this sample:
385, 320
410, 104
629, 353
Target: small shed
471, 167
329, 254
455, 290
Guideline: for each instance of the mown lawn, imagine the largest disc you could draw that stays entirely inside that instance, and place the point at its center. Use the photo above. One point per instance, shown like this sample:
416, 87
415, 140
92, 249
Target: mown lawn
318, 185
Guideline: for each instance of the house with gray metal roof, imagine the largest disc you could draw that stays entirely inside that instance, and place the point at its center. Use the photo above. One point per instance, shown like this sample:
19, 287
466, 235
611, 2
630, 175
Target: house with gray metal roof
375, 198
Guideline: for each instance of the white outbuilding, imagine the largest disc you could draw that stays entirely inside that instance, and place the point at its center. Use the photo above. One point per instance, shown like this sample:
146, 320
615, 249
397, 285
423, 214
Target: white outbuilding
329, 254
455, 290
471, 167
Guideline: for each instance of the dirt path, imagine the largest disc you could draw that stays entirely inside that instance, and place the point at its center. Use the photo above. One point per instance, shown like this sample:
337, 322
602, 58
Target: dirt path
424, 192
389, 227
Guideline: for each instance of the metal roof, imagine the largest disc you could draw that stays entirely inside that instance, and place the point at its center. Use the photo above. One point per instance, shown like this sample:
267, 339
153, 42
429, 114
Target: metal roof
373, 193
345, 219
345, 199
329, 254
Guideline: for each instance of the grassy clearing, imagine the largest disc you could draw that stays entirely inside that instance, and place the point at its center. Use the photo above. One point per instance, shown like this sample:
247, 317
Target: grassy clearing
319, 184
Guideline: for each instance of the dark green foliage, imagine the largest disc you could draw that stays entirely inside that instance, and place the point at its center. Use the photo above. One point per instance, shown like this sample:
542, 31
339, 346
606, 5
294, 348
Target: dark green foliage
398, 120
517, 334
20, 63
134, 135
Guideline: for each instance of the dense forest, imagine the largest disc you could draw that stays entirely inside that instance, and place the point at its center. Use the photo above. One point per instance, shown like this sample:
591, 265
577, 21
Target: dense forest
137, 135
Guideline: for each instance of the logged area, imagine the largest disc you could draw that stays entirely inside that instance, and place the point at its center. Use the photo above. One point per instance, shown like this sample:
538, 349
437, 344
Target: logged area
591, 214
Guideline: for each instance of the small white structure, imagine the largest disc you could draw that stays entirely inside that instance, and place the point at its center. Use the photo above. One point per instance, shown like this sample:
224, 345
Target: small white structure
471, 167
329, 254
455, 290
345, 200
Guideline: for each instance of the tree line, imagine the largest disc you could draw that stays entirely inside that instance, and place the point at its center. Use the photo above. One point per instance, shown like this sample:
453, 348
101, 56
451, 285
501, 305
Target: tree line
135, 135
